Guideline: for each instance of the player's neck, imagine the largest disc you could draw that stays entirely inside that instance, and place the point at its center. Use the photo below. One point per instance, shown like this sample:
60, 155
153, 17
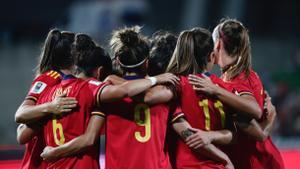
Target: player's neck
82, 76
66, 71
134, 74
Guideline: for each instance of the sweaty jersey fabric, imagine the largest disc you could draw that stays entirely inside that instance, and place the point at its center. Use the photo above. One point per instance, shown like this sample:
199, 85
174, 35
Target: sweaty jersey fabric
34, 147
63, 128
255, 154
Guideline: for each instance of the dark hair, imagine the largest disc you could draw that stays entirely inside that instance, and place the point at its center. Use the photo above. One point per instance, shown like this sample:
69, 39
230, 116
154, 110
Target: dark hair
162, 48
192, 52
130, 48
88, 56
56, 53
236, 42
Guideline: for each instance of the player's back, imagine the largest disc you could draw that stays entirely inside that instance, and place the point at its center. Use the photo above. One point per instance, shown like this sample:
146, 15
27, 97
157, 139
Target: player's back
62, 129
201, 112
36, 145
135, 135
258, 155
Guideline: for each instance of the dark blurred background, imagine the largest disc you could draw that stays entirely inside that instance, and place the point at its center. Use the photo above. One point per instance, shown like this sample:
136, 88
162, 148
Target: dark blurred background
274, 28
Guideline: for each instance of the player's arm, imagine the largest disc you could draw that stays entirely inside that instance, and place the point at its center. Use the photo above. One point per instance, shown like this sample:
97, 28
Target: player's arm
29, 112
212, 152
134, 87
25, 133
244, 103
204, 146
78, 144
261, 131
196, 138
158, 94
114, 79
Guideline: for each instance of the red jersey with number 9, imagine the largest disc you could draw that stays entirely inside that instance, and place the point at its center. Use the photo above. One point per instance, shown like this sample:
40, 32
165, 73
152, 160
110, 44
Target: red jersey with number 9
63, 128
35, 146
205, 113
135, 135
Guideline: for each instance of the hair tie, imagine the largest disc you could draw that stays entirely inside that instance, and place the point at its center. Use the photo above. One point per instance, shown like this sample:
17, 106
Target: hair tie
131, 66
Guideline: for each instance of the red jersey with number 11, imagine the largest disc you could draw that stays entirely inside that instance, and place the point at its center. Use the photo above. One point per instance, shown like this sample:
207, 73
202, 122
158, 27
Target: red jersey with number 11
205, 113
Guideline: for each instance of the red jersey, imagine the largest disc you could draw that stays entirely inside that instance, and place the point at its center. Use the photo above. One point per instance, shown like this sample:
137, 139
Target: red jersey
34, 147
135, 135
62, 129
258, 155
202, 112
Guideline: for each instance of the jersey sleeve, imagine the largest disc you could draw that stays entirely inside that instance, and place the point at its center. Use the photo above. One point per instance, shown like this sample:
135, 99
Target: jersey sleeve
176, 114
242, 89
175, 111
96, 88
41, 83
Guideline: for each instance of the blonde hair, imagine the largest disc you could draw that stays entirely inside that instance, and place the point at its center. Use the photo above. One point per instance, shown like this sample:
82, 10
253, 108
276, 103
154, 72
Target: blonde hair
236, 42
191, 53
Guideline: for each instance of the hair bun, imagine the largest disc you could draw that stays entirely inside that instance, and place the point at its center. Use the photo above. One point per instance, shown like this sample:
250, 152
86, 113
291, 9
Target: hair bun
84, 42
130, 36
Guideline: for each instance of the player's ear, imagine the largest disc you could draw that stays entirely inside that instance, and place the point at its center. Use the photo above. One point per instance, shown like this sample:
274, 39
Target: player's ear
99, 72
213, 58
147, 64
218, 45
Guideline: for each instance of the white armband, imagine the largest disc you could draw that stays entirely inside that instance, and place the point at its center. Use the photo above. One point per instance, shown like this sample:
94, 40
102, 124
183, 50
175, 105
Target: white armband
153, 80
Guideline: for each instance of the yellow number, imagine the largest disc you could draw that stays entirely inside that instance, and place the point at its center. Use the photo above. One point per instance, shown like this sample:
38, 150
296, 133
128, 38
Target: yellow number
58, 126
142, 108
218, 105
204, 104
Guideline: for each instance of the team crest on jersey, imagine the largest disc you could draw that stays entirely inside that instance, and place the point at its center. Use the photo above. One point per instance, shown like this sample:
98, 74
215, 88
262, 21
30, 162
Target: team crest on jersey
94, 82
38, 87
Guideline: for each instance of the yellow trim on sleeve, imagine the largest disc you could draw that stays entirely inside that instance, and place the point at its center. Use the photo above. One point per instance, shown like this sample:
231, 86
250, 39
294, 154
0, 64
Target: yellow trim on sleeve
177, 117
98, 113
246, 93
31, 98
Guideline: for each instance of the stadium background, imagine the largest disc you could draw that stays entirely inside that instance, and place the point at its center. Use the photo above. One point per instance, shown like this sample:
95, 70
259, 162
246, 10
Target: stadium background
274, 28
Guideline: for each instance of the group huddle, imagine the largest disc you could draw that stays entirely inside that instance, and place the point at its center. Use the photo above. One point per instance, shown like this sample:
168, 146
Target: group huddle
154, 99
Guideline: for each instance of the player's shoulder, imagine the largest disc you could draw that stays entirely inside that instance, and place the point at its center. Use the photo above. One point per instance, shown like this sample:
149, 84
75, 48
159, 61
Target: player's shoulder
94, 84
183, 78
214, 78
254, 76
42, 81
50, 77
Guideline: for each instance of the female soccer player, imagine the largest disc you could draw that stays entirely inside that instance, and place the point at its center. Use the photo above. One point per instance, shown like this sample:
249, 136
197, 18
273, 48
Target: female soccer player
193, 55
135, 131
232, 45
55, 51
91, 62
